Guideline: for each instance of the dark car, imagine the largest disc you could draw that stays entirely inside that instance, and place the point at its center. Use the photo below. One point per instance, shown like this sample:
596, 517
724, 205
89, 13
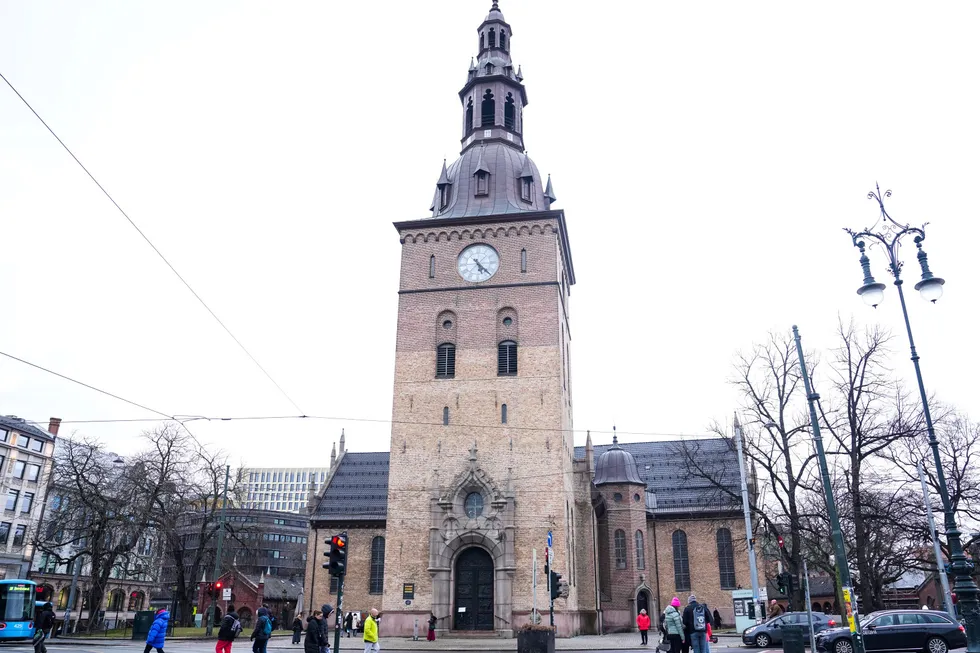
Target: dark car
771, 632
898, 630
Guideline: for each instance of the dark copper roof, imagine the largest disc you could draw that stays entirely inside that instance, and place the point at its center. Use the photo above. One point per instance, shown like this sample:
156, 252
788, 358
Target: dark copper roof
616, 465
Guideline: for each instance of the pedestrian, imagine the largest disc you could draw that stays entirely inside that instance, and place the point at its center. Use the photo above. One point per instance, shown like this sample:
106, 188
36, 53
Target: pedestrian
775, 609
696, 624
643, 623
327, 610
262, 632
313, 636
228, 631
42, 624
275, 623
371, 644
707, 645
349, 624
297, 628
674, 625
430, 636
158, 631
357, 622
717, 618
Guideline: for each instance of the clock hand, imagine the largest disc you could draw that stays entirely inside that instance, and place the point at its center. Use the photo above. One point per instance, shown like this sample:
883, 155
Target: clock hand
480, 267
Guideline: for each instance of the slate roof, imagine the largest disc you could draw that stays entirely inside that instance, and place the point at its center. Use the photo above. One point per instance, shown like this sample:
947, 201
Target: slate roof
358, 490
275, 585
25, 427
671, 488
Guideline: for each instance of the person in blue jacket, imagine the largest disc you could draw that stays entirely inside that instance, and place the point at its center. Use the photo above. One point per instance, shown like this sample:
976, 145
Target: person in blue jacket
158, 631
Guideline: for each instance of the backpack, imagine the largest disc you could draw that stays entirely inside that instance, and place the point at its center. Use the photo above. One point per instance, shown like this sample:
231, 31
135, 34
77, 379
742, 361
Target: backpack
236, 627
699, 617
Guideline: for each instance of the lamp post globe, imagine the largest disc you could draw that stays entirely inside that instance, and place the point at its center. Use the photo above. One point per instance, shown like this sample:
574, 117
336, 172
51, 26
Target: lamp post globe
872, 293
930, 289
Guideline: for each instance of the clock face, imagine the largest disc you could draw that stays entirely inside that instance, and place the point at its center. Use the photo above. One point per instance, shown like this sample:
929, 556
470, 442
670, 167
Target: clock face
478, 263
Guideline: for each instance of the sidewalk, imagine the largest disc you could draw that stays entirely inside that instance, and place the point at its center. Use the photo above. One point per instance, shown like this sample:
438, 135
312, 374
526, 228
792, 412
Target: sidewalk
617, 641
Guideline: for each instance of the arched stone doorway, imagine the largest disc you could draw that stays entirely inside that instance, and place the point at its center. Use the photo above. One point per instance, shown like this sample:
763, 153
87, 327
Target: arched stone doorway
643, 601
473, 605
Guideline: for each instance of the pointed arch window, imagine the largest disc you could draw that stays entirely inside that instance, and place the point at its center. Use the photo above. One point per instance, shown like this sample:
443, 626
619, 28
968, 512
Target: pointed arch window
619, 547
510, 112
446, 361
503, 413
469, 115
492, 36
377, 584
523, 260
682, 566
641, 552
507, 358
503, 40
432, 266
726, 558
488, 109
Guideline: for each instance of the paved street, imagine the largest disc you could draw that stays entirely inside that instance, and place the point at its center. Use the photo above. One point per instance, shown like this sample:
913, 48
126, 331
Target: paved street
206, 647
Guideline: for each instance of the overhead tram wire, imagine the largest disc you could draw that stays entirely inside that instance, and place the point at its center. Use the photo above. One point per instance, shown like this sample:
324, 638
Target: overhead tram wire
152, 246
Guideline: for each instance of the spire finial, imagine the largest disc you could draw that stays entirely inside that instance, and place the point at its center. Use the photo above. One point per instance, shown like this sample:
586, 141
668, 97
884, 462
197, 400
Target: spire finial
495, 7
615, 439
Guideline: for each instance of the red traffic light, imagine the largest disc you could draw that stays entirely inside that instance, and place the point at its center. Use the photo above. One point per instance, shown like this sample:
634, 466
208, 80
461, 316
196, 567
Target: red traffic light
339, 541
218, 585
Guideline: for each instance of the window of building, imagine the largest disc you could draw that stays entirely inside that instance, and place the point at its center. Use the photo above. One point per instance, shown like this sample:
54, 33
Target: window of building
2, 459
19, 467
4, 531
488, 109
446, 361
377, 566
507, 358
641, 553
135, 601
444, 195
37, 445
23, 440
432, 264
527, 186
4, 433
682, 568
503, 40
523, 260
492, 35
726, 558
473, 505
619, 545
28, 502
503, 413
482, 183
445, 416
469, 115
19, 531
12, 496
510, 112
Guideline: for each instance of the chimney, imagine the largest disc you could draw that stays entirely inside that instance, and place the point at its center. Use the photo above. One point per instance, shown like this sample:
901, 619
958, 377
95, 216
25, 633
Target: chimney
53, 425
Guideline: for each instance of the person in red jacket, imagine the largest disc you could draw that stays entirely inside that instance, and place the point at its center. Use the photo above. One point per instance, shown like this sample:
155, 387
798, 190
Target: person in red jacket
643, 623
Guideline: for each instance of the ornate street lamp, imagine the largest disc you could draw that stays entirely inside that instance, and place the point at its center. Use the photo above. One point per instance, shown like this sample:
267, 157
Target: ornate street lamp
890, 237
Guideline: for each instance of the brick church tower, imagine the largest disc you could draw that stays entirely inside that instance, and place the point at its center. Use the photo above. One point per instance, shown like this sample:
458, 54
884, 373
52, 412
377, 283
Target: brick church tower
481, 458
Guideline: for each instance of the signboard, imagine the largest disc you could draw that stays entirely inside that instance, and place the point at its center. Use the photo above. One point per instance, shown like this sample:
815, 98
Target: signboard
764, 594
225, 593
549, 539
849, 610
408, 591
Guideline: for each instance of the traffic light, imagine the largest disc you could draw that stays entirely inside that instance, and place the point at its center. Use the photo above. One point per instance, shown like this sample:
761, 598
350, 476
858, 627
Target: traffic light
209, 589
217, 588
555, 585
784, 583
338, 555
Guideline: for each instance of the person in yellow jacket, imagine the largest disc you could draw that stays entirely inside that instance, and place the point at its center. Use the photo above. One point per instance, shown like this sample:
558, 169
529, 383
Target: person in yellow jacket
371, 644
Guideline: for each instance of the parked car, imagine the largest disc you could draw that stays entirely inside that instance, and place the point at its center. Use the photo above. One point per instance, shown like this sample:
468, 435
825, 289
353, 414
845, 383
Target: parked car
898, 630
771, 632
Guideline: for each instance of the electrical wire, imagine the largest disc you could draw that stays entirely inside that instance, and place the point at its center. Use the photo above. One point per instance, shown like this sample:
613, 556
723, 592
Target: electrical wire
152, 246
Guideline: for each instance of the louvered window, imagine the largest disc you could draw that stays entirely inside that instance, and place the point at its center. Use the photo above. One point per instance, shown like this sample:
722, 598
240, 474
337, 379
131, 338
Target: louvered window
726, 558
446, 361
619, 542
377, 566
641, 556
507, 358
682, 567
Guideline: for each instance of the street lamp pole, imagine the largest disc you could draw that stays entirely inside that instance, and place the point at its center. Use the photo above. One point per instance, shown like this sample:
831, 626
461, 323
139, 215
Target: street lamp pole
843, 571
931, 289
749, 538
217, 557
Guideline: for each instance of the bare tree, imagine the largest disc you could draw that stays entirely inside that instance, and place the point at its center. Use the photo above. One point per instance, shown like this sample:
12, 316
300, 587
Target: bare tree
776, 444
106, 504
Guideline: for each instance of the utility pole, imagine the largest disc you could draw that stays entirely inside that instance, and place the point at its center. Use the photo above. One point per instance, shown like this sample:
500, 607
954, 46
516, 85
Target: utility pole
66, 626
940, 568
843, 572
217, 556
809, 607
747, 509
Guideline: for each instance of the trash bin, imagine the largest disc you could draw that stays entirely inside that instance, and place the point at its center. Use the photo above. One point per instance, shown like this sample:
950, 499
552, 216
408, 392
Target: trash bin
141, 624
793, 637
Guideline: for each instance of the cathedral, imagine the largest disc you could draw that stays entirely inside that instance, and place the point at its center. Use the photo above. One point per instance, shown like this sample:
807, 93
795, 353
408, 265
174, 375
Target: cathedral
482, 472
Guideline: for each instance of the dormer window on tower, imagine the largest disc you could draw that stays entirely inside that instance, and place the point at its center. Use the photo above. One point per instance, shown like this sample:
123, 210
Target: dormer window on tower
488, 109
444, 194
482, 183
489, 68
527, 187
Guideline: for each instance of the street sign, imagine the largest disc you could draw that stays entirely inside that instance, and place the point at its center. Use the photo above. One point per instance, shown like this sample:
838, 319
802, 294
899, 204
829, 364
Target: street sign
549, 539
764, 594
226, 594
551, 557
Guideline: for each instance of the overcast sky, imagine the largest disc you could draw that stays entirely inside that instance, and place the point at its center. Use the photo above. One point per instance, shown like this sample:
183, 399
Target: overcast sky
707, 155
